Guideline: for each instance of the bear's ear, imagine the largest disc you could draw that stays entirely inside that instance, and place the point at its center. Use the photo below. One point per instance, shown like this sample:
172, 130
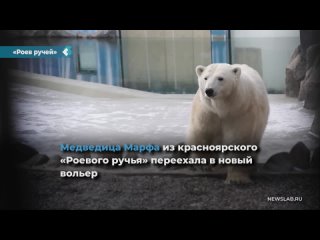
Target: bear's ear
199, 70
237, 71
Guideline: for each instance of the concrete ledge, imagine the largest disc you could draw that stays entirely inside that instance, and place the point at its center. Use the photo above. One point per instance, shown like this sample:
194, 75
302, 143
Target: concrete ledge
79, 87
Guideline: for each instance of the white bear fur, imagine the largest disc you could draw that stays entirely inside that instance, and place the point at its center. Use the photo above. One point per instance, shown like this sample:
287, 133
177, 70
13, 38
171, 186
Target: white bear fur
237, 114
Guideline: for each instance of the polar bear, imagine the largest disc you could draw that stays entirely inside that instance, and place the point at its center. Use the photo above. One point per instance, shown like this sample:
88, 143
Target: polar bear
231, 108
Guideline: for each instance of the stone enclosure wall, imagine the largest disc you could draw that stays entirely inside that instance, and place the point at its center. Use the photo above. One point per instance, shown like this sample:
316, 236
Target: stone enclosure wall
303, 74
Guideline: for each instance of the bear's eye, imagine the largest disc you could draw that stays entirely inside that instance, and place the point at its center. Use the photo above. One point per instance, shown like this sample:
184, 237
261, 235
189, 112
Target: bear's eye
205, 78
220, 78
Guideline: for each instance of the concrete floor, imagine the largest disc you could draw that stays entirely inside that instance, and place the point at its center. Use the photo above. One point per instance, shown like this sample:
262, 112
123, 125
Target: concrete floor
45, 118
48, 191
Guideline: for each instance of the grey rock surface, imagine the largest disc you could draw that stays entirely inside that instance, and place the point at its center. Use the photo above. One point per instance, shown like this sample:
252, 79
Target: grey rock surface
279, 162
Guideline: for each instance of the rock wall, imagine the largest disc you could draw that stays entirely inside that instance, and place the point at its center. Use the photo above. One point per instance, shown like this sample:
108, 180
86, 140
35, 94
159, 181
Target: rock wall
310, 85
295, 72
303, 74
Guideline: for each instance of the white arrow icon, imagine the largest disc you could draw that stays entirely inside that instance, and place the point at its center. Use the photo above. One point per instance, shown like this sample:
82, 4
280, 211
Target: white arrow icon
65, 52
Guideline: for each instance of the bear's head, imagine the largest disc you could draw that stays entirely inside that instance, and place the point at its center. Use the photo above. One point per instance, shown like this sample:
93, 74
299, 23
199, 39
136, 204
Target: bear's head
217, 80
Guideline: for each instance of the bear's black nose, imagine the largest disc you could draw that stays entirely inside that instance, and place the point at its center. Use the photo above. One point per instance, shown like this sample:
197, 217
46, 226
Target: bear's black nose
209, 92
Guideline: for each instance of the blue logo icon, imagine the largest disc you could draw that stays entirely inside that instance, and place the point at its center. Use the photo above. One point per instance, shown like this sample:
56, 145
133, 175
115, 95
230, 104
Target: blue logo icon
67, 51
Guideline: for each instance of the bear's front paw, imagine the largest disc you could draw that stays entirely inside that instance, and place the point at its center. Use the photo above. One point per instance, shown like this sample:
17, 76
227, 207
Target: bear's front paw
238, 178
